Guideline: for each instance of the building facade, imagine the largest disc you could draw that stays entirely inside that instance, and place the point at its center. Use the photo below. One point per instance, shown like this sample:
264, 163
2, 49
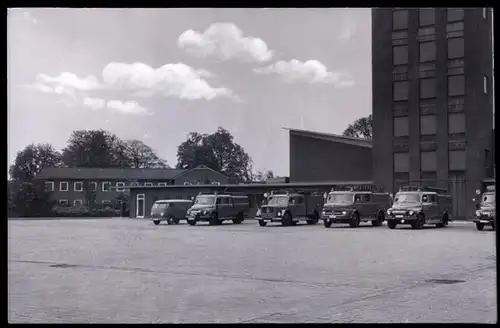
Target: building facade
432, 99
316, 157
107, 187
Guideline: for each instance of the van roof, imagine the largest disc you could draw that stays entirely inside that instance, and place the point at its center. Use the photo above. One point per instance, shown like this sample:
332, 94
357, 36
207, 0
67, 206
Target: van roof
173, 201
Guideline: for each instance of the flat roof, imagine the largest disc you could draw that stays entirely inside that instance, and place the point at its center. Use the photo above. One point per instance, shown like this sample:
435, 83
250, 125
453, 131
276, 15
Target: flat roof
331, 137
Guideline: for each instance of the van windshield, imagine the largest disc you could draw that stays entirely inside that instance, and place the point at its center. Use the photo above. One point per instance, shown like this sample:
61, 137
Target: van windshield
278, 201
205, 200
159, 206
340, 198
406, 198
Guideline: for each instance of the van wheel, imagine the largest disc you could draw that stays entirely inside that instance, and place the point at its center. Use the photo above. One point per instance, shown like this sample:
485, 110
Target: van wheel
287, 220
354, 220
170, 220
444, 223
419, 223
314, 219
176, 221
262, 223
493, 226
479, 226
156, 222
214, 219
192, 222
239, 218
380, 219
327, 224
391, 224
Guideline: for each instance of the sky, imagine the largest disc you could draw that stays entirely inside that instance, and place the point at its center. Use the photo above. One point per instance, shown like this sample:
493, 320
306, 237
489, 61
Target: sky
158, 74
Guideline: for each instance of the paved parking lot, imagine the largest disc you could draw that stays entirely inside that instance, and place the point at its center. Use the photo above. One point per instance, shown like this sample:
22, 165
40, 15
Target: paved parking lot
130, 271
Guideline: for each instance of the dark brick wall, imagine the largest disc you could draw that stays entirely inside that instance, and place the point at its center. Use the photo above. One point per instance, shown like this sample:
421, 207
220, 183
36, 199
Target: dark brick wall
321, 160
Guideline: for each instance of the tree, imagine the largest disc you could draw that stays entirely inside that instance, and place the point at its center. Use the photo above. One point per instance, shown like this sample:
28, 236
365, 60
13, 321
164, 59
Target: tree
95, 148
33, 159
141, 155
361, 128
30, 199
217, 151
263, 176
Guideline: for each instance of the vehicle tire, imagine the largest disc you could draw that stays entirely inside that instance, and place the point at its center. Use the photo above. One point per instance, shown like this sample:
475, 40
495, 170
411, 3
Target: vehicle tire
444, 223
380, 219
191, 222
419, 223
391, 224
354, 220
156, 222
176, 221
287, 220
214, 219
314, 219
239, 218
171, 220
327, 224
294, 223
262, 223
493, 225
479, 226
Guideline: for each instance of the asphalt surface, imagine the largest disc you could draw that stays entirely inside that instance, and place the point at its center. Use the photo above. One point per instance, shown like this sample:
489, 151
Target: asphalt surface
131, 271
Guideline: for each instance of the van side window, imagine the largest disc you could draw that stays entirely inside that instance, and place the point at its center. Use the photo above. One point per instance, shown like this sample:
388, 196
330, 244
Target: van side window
366, 198
425, 198
357, 198
172, 204
300, 200
432, 198
219, 200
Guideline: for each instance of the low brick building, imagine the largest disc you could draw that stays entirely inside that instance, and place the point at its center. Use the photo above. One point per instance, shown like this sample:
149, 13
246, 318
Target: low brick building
316, 156
74, 186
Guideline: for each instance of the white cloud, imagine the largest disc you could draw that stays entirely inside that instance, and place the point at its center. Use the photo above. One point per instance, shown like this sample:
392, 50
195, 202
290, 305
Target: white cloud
28, 16
94, 103
127, 107
311, 71
67, 83
224, 41
170, 80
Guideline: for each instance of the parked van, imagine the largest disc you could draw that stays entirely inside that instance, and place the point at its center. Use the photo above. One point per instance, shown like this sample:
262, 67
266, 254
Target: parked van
170, 210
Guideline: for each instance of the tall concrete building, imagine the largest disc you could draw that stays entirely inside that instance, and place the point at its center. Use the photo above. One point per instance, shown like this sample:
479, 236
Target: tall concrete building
432, 99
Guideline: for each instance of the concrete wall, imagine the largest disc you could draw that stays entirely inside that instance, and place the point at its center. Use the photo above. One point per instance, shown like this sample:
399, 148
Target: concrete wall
321, 160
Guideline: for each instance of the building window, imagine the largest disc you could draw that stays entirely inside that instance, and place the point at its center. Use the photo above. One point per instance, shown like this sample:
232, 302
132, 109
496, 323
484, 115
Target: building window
455, 14
148, 184
162, 184
456, 160
428, 125
401, 126
427, 51
399, 19
105, 186
400, 55
134, 184
63, 202
456, 85
49, 186
456, 123
428, 161
77, 202
106, 202
401, 162
427, 88
400, 90
78, 186
93, 186
455, 48
63, 186
120, 186
426, 16
485, 84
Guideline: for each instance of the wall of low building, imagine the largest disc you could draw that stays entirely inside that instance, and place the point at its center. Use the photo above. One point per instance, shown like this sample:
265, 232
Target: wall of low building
203, 176
321, 160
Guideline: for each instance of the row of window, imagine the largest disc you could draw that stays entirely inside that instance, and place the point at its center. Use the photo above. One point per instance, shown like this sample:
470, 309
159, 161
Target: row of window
76, 202
426, 17
456, 87
428, 161
105, 186
428, 125
427, 51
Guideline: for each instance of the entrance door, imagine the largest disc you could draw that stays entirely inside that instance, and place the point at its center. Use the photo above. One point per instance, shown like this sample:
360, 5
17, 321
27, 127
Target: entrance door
141, 200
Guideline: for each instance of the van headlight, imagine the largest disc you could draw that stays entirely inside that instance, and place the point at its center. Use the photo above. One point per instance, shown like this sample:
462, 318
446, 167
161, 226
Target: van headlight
204, 212
389, 212
323, 212
344, 212
279, 213
162, 214
411, 213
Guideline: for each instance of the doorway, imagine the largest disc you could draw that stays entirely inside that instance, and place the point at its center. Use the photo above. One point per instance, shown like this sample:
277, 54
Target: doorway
139, 210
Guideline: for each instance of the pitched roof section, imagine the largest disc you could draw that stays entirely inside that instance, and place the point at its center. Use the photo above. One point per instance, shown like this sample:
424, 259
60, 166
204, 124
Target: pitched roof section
200, 167
85, 173
331, 137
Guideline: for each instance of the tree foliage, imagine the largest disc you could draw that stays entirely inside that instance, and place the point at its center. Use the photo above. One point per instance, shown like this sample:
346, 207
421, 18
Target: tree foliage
32, 159
263, 176
141, 155
217, 151
361, 128
29, 199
